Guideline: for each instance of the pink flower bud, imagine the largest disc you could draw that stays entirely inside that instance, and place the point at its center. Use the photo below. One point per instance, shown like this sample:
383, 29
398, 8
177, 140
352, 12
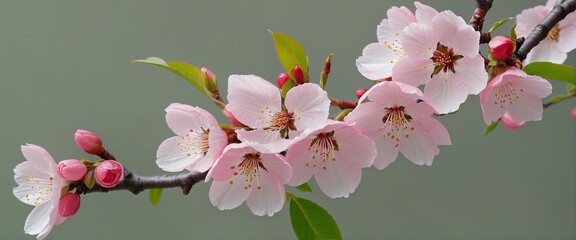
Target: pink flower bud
231, 118
69, 204
574, 113
208, 73
298, 75
108, 173
71, 169
510, 122
360, 92
88, 141
501, 47
282, 79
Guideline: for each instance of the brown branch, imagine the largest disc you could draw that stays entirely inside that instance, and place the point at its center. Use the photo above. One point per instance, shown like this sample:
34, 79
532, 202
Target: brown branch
482, 7
341, 103
540, 32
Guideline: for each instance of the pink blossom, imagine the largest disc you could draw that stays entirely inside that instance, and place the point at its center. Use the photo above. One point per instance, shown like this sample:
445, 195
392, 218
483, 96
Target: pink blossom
69, 204
71, 169
378, 60
397, 122
88, 141
335, 154
560, 40
501, 47
257, 104
108, 173
199, 140
244, 173
39, 185
573, 113
444, 56
509, 122
516, 93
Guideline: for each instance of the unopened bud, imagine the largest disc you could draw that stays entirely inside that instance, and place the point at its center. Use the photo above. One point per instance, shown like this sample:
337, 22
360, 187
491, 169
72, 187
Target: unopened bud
360, 92
108, 173
298, 75
574, 113
510, 122
69, 204
282, 79
88, 141
501, 47
71, 169
208, 73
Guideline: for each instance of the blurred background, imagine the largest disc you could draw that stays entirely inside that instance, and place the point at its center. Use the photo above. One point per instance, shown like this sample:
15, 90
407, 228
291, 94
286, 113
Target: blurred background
66, 65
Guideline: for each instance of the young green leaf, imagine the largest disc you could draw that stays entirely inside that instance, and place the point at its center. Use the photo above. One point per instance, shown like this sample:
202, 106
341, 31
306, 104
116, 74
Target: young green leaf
187, 71
550, 70
512, 34
287, 86
490, 127
304, 188
290, 53
311, 221
90, 180
154, 195
499, 23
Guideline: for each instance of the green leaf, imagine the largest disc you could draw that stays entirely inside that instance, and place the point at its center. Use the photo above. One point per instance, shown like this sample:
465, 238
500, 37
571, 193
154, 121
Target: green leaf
490, 128
89, 180
557, 98
304, 188
550, 70
512, 34
311, 221
499, 23
187, 71
154, 195
290, 53
287, 86
570, 88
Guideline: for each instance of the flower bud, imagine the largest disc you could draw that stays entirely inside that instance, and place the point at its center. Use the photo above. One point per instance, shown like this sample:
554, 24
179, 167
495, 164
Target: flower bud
108, 173
208, 73
231, 118
509, 122
69, 204
282, 79
574, 113
71, 169
298, 75
501, 47
88, 141
360, 92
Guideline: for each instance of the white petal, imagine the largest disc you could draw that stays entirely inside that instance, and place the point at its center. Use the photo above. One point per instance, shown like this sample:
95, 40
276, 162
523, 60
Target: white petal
399, 18
567, 39
377, 61
228, 194
252, 100
454, 32
310, 105
424, 13
546, 51
528, 19
339, 178
419, 147
413, 71
181, 118
386, 152
268, 198
39, 218
471, 71
445, 94
40, 158
419, 41
172, 157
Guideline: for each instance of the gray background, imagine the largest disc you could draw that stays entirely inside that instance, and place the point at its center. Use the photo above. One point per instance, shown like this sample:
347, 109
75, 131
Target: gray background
66, 65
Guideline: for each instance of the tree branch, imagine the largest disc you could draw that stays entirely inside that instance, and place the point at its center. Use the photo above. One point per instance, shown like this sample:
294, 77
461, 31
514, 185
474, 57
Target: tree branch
341, 103
570, 95
477, 20
540, 32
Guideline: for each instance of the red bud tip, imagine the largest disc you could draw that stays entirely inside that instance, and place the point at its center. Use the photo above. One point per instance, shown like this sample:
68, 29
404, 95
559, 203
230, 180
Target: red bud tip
298, 75
282, 79
360, 92
88, 141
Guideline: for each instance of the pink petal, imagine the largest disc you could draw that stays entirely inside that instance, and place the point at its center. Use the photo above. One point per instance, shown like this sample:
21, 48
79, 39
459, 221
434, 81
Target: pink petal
454, 32
445, 94
424, 13
181, 118
276, 165
268, 140
224, 195
419, 147
490, 110
393, 93
527, 108
310, 105
534, 85
529, 18
339, 178
471, 71
40, 158
419, 41
413, 71
567, 39
217, 141
39, 219
269, 198
171, 157
510, 122
353, 146
367, 116
298, 155
546, 51
226, 165
385, 33
438, 132
252, 100
399, 18
377, 61
386, 152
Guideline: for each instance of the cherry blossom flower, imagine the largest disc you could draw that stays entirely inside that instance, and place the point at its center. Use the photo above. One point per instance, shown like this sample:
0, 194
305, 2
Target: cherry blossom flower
378, 59
560, 40
397, 122
444, 56
335, 154
199, 141
243, 173
257, 104
39, 185
516, 93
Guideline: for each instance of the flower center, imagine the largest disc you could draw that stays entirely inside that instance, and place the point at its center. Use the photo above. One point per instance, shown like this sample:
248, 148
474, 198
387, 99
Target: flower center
195, 142
40, 190
396, 48
396, 125
554, 34
322, 147
506, 94
282, 121
444, 59
250, 169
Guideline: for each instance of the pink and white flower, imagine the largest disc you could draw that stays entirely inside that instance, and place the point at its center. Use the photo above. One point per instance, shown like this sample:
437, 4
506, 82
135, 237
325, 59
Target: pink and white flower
378, 59
560, 40
444, 56
335, 154
257, 104
40, 185
397, 122
516, 93
244, 173
199, 141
